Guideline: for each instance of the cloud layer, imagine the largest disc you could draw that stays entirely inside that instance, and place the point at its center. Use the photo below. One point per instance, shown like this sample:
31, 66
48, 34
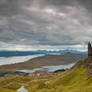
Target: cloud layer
45, 23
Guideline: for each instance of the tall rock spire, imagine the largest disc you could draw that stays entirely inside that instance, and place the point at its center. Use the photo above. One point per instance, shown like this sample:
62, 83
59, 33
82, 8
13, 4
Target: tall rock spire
89, 49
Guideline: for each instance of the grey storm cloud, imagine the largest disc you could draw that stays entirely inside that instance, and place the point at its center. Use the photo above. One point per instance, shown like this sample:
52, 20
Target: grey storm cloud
45, 22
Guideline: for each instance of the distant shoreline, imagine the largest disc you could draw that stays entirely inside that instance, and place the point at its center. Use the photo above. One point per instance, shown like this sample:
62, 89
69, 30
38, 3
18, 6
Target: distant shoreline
49, 68
45, 60
17, 59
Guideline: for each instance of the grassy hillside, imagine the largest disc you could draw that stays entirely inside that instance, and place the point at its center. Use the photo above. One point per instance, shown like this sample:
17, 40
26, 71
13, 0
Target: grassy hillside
77, 79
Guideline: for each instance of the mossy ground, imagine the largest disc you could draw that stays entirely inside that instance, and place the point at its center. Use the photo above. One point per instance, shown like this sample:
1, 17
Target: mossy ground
73, 80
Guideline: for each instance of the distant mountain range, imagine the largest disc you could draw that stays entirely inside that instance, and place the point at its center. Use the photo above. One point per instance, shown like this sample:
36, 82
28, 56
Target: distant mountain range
26, 53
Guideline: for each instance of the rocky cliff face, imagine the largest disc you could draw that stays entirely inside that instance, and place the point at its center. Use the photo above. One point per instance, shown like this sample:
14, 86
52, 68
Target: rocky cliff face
87, 63
89, 49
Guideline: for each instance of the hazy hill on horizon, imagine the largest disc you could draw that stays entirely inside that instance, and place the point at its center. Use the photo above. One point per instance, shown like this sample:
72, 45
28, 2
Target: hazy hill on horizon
8, 53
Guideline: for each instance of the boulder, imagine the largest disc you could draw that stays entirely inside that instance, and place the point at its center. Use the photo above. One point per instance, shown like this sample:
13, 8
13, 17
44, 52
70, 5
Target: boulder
22, 89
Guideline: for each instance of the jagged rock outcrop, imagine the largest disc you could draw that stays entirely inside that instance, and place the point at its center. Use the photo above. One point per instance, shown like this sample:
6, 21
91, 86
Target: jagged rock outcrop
87, 63
89, 49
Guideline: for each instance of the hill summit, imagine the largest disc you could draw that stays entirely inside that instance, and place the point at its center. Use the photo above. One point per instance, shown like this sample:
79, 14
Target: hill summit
87, 63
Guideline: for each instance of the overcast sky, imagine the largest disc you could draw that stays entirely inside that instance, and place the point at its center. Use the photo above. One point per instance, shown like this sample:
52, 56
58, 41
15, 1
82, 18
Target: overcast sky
45, 24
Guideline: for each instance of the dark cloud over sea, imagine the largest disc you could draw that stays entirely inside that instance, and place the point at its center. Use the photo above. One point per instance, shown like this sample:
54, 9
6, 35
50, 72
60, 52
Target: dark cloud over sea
45, 23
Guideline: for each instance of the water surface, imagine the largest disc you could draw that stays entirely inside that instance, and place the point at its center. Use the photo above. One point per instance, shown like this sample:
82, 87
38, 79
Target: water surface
17, 59
49, 68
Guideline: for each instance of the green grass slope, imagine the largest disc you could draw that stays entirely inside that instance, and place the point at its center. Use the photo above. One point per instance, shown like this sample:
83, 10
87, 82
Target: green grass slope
77, 79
